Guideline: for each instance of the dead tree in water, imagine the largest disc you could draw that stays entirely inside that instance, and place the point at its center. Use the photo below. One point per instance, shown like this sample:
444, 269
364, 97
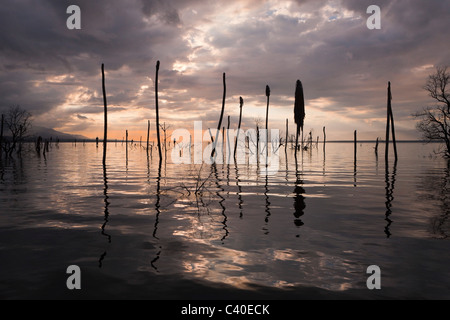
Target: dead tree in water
157, 112
221, 115
241, 101
105, 133
287, 134
267, 123
376, 148
18, 121
148, 134
38, 145
390, 121
299, 111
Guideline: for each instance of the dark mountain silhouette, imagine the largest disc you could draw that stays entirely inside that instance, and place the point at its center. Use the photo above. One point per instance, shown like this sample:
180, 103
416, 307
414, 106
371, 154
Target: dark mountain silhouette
47, 133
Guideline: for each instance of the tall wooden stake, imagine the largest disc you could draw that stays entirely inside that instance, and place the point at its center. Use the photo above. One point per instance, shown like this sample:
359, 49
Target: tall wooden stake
389, 122
221, 115
287, 135
157, 111
239, 125
228, 141
105, 133
148, 134
391, 115
267, 124
376, 148
355, 145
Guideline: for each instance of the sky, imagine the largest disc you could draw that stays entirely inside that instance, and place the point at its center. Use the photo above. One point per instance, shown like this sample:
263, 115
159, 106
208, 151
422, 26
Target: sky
55, 73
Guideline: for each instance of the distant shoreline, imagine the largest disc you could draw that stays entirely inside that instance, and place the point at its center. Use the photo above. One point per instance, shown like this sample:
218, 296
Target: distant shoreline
331, 141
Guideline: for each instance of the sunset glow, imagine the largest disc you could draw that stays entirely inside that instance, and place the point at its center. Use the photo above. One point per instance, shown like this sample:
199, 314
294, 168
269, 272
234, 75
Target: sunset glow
343, 66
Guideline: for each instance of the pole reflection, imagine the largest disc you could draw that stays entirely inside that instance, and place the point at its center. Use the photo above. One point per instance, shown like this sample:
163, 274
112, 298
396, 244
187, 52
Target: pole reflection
222, 200
390, 185
158, 212
299, 199
106, 212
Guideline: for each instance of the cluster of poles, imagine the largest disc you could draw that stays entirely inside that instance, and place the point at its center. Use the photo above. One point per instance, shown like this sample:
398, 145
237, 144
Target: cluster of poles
299, 119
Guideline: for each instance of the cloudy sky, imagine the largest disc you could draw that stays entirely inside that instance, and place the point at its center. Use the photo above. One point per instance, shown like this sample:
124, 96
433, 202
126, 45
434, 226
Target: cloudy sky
55, 73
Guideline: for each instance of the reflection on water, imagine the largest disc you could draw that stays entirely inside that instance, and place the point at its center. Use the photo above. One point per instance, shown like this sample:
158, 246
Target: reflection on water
390, 185
438, 190
105, 193
299, 199
204, 222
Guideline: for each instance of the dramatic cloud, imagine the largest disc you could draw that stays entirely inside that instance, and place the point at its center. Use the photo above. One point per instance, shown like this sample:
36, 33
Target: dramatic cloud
55, 73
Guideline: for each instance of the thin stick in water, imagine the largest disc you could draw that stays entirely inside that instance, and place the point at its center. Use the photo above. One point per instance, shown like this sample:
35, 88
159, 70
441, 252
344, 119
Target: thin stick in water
391, 116
221, 115
241, 101
105, 133
157, 111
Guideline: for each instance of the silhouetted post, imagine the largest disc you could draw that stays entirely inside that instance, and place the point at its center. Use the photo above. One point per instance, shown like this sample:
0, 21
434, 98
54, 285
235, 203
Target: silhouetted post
267, 124
391, 116
299, 111
221, 115
105, 134
126, 144
38, 145
390, 121
228, 140
257, 141
355, 144
376, 148
96, 142
165, 138
157, 111
148, 134
324, 137
287, 133
1, 135
310, 139
241, 103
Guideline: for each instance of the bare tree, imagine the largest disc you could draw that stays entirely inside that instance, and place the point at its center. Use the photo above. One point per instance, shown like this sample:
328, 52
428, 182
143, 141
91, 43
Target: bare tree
18, 122
434, 121
164, 128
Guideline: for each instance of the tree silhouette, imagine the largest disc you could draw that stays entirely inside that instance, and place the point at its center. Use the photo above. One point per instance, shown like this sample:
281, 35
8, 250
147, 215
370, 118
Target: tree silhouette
434, 121
18, 122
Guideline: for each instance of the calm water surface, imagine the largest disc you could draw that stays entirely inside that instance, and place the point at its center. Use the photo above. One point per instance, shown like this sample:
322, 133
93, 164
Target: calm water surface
138, 230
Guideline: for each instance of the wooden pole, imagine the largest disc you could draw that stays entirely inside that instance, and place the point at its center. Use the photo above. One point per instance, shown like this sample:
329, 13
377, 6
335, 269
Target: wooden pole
386, 154
355, 144
105, 133
148, 134
165, 138
376, 148
157, 111
267, 124
241, 103
287, 135
228, 140
221, 115
391, 116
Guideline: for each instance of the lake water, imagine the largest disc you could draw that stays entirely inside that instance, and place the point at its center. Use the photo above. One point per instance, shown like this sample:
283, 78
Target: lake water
138, 230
